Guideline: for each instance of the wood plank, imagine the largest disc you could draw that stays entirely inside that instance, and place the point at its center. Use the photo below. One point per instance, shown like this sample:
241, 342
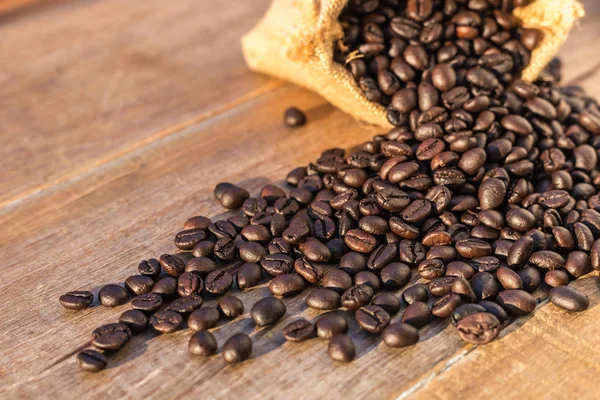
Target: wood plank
94, 228
110, 76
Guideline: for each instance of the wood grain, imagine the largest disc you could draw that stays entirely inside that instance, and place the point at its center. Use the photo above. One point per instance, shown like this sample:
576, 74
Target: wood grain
93, 225
111, 76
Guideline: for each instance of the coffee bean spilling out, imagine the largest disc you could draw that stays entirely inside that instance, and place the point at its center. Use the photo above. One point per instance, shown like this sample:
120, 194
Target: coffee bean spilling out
415, 55
487, 189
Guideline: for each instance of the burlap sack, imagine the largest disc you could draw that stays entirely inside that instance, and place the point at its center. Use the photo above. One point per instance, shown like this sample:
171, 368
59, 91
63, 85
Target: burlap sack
295, 40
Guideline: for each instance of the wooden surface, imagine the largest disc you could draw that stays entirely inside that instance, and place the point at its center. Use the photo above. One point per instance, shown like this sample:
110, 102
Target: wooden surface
117, 118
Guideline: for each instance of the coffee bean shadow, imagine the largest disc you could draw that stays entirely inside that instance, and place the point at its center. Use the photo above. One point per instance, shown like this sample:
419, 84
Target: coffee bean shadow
137, 346
320, 112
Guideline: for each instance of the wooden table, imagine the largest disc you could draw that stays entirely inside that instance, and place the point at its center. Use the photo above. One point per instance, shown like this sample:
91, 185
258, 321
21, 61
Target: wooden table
117, 118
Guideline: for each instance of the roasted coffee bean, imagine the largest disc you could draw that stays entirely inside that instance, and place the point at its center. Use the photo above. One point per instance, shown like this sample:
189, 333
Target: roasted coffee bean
112, 295
360, 241
230, 307
251, 252
237, 348
149, 267
221, 229
230, 196
166, 286
416, 314
267, 311
166, 321
136, 320
315, 251
218, 282
91, 360
249, 275
139, 284
382, 256
516, 302
286, 285
111, 336
395, 275
172, 265
388, 301
341, 348
494, 309
444, 307
299, 330
400, 334
357, 296
277, 264
187, 304
186, 240
411, 252
462, 287
353, 262
569, 298
329, 325
460, 269
531, 278
372, 318
415, 293
201, 266
508, 278
578, 264
431, 269
478, 328
484, 285
197, 222
323, 299
77, 300
464, 310
471, 248
189, 283
556, 277
520, 252
336, 279
203, 318
225, 249
441, 286
547, 259
147, 302
203, 344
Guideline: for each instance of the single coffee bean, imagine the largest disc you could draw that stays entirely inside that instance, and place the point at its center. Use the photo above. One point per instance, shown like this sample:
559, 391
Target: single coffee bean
299, 330
388, 301
267, 311
166, 321
431, 269
231, 196
395, 275
112, 295
360, 241
186, 240
91, 360
520, 252
417, 314
578, 263
111, 336
556, 278
201, 266
187, 304
547, 259
218, 282
484, 285
225, 249
286, 285
336, 279
237, 348
172, 265
294, 117
531, 278
197, 222
357, 296
323, 299
77, 300
479, 328
569, 298
277, 264
444, 307
230, 307
204, 248
329, 325
471, 248
136, 320
372, 318
415, 293
516, 302
189, 283
341, 348
149, 267
149, 302
249, 275
312, 272
463, 310
166, 286
203, 318
508, 278
139, 284
400, 334
203, 344
441, 286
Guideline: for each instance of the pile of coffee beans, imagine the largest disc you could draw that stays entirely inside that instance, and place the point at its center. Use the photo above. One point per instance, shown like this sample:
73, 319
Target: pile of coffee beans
504, 202
485, 191
412, 55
